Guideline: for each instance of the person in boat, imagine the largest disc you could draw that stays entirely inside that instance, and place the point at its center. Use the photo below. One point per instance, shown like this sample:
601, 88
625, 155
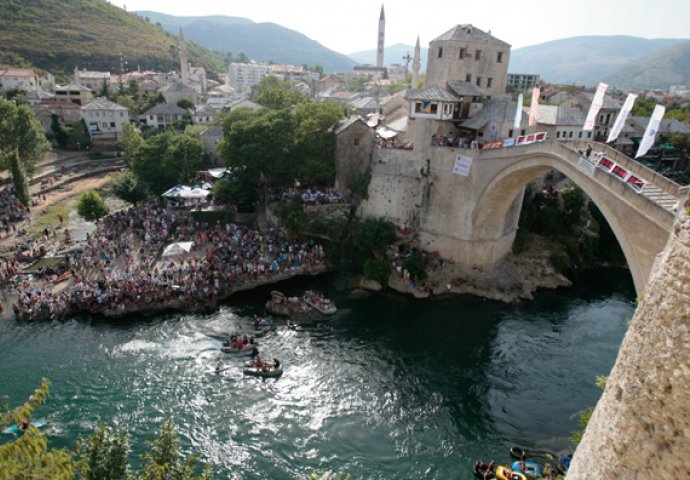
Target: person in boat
490, 469
24, 425
522, 464
276, 363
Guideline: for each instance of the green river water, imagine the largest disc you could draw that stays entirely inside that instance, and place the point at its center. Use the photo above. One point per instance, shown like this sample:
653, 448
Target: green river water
388, 388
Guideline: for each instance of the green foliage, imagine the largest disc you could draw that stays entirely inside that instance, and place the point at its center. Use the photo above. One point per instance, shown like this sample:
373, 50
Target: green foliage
644, 106
131, 142
291, 215
19, 179
185, 103
359, 184
164, 461
27, 457
56, 35
79, 137
277, 94
583, 419
680, 140
236, 190
21, 133
416, 265
372, 236
104, 455
377, 269
60, 133
91, 206
165, 160
126, 187
561, 261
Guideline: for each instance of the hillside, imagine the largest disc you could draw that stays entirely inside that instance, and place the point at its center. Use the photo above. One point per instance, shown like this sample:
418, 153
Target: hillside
58, 35
259, 41
583, 60
391, 54
661, 69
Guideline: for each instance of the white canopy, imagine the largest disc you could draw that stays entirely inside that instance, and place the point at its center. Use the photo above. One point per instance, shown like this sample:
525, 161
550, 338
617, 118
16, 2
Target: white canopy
176, 191
385, 133
177, 248
195, 193
217, 172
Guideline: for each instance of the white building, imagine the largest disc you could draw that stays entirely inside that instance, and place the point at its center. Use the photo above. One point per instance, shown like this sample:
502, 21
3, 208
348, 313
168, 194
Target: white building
92, 80
161, 116
104, 118
248, 74
24, 79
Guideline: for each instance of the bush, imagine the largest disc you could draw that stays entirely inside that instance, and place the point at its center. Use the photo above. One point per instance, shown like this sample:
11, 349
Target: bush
359, 184
561, 261
126, 187
377, 269
416, 265
91, 206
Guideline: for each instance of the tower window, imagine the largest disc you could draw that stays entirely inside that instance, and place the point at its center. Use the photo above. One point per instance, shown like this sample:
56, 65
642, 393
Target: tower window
479, 81
440, 52
478, 55
462, 54
468, 77
499, 57
489, 81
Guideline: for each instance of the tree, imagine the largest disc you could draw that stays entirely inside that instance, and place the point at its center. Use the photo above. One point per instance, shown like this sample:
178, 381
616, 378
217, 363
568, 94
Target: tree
277, 94
27, 456
104, 90
126, 186
79, 136
131, 142
185, 103
21, 132
60, 133
104, 455
21, 184
164, 461
91, 206
133, 88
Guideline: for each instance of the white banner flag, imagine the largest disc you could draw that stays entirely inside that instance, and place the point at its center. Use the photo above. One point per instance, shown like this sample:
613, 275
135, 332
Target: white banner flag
518, 113
622, 117
533, 107
650, 132
597, 102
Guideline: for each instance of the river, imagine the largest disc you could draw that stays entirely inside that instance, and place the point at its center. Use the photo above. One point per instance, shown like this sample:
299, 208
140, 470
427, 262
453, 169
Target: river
390, 387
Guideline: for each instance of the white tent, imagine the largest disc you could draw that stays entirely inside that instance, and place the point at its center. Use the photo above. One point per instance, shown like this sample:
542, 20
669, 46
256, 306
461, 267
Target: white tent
176, 191
194, 193
177, 248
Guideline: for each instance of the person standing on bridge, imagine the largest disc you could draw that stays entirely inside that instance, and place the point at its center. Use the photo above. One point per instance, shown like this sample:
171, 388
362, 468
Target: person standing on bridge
588, 151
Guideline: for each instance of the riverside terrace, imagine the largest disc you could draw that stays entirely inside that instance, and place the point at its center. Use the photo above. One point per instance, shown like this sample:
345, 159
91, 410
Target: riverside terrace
120, 271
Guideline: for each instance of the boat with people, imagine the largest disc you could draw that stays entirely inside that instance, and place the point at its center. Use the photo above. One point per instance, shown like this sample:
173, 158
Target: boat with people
263, 369
15, 429
244, 345
260, 323
564, 463
281, 304
483, 471
505, 473
319, 302
528, 468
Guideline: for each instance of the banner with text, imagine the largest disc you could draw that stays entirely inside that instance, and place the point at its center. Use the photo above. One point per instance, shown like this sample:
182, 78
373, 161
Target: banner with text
534, 107
621, 118
594, 108
463, 165
650, 132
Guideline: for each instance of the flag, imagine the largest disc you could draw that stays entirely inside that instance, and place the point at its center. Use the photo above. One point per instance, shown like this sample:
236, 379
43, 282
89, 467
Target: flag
518, 114
650, 132
621, 118
533, 108
597, 102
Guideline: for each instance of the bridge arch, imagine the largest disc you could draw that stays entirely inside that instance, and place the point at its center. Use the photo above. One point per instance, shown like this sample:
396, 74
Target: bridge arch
641, 227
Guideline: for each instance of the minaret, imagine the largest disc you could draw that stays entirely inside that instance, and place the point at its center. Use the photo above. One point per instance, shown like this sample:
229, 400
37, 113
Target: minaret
416, 65
382, 35
184, 66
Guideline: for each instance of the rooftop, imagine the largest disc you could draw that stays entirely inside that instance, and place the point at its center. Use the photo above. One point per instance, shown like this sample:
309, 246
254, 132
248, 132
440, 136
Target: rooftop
102, 103
469, 33
165, 109
432, 93
467, 89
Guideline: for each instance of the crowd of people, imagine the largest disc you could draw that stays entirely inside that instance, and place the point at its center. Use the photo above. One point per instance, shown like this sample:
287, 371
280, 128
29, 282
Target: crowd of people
454, 140
12, 212
120, 270
383, 143
313, 196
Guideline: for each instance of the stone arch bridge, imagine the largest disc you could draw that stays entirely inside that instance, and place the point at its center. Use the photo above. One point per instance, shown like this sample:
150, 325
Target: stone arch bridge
473, 219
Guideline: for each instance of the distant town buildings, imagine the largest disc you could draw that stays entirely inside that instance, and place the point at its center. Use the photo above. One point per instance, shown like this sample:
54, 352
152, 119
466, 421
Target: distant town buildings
104, 119
24, 79
522, 81
251, 74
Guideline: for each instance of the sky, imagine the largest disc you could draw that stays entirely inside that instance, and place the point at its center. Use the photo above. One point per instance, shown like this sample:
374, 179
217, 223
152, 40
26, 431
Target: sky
349, 26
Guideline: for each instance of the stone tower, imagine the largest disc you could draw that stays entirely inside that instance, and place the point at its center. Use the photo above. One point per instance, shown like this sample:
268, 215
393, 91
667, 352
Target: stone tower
184, 65
382, 37
416, 64
469, 55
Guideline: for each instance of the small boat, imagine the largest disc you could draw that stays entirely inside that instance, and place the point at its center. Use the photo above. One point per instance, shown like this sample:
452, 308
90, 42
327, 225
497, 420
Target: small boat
15, 429
480, 469
264, 371
564, 463
262, 323
531, 468
319, 303
249, 349
505, 473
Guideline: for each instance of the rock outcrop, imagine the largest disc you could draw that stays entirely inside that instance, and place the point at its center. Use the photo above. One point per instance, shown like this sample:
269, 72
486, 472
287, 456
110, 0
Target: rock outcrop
640, 428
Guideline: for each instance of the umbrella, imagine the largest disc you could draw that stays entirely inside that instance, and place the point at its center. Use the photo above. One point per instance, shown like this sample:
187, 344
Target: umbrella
177, 248
176, 191
194, 193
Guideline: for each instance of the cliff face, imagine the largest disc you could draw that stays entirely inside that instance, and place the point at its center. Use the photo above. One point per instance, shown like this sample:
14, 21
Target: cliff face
640, 428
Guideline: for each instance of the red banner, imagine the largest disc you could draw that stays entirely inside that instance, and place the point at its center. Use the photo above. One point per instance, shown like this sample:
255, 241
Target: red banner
496, 145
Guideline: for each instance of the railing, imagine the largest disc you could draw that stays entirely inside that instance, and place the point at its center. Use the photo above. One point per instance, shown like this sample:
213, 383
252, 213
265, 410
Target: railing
634, 167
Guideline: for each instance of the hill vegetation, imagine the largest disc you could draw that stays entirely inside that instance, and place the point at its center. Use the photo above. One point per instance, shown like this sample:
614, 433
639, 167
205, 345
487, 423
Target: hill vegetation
660, 69
265, 42
57, 36
585, 60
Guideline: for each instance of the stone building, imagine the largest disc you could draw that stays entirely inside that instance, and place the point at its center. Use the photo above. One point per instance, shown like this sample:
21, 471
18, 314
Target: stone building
354, 144
177, 91
104, 119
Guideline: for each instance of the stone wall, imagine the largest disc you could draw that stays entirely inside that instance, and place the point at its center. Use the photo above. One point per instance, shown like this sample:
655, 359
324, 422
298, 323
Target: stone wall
640, 427
353, 149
